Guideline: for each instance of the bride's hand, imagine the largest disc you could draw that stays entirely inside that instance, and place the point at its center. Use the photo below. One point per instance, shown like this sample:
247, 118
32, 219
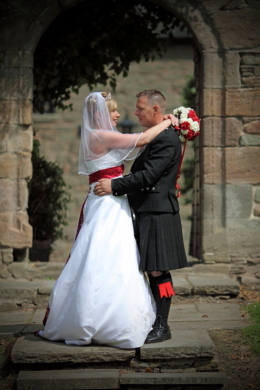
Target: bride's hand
173, 119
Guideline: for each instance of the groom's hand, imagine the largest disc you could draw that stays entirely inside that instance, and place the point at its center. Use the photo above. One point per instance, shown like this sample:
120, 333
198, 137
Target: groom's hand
103, 187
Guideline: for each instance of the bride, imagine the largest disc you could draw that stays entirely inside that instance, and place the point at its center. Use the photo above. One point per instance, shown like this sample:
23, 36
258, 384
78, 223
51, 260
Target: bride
101, 296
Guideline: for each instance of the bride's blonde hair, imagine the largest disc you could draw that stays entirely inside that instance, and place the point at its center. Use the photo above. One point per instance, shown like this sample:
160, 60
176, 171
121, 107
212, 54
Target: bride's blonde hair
111, 103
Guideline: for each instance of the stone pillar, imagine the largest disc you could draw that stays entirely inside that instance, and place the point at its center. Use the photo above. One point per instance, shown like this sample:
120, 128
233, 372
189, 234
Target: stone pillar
16, 82
231, 160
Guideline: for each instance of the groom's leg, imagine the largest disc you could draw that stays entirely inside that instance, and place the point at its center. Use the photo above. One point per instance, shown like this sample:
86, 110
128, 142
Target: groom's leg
161, 287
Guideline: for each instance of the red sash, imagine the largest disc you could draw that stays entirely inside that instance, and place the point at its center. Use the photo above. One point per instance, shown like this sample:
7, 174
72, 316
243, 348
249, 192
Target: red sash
108, 173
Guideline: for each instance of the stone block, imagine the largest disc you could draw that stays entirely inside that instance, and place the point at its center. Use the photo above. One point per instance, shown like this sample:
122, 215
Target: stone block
238, 201
254, 259
15, 138
241, 102
243, 236
21, 270
180, 285
240, 35
207, 379
217, 258
250, 59
214, 240
16, 112
185, 344
7, 305
230, 201
252, 127
257, 195
209, 284
15, 231
16, 83
212, 70
249, 140
29, 349
16, 165
257, 71
212, 165
242, 165
7, 256
211, 131
233, 130
69, 379
238, 260
249, 280
13, 195
237, 269
213, 205
256, 210
4, 273
232, 73
211, 268
251, 82
15, 318
18, 59
212, 102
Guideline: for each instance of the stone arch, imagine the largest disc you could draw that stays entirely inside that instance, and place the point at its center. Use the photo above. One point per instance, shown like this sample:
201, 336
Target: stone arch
227, 109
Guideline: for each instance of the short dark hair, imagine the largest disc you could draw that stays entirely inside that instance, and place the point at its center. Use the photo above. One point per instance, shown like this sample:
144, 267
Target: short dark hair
154, 96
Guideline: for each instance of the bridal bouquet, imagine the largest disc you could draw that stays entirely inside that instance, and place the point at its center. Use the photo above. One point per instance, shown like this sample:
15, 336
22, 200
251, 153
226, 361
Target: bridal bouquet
189, 123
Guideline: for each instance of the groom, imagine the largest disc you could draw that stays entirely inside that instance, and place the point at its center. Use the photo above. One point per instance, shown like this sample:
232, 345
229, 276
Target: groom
151, 192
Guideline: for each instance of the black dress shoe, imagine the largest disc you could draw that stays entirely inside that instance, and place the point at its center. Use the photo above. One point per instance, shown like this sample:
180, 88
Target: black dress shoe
160, 332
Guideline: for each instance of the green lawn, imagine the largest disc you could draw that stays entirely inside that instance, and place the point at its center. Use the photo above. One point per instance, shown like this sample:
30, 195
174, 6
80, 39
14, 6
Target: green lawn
252, 332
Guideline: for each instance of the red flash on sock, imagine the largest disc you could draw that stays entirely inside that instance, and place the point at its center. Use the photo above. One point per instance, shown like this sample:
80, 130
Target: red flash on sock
165, 290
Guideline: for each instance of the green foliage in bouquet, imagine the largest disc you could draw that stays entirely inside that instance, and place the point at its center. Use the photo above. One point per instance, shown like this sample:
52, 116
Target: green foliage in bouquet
48, 198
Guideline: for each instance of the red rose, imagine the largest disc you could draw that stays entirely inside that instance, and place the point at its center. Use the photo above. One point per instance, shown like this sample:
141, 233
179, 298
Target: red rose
185, 126
192, 115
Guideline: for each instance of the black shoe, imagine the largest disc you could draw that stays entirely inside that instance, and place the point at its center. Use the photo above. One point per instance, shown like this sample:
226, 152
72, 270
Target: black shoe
160, 332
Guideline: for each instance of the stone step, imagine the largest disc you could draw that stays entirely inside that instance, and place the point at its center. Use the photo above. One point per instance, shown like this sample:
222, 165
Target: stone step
186, 349
34, 294
24, 294
114, 379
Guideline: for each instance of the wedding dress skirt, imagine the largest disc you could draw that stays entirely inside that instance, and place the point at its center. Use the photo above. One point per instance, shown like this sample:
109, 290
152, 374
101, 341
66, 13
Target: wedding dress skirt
101, 296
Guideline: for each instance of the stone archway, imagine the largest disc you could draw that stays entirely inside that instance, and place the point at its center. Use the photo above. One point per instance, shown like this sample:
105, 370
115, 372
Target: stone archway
229, 145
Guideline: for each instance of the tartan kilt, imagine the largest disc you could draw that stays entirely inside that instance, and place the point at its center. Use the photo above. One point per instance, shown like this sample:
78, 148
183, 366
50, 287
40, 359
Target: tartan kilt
160, 241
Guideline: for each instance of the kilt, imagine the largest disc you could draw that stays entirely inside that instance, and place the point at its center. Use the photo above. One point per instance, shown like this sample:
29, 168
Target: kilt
160, 241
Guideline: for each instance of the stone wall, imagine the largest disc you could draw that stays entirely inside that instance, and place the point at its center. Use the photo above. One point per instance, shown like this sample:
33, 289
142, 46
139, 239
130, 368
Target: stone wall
227, 35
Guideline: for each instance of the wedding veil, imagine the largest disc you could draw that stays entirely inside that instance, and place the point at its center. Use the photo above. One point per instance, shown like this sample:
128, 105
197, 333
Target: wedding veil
95, 120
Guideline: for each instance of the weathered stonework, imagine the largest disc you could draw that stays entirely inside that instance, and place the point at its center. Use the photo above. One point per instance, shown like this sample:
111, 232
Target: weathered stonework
252, 127
233, 130
242, 165
242, 102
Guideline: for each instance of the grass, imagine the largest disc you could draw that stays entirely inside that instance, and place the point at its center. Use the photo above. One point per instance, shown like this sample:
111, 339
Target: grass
252, 332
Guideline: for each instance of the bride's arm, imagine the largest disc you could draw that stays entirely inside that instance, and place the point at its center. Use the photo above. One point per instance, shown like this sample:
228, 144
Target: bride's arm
149, 134
118, 140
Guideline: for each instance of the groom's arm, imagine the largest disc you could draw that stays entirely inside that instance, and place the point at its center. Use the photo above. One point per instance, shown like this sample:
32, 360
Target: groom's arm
161, 153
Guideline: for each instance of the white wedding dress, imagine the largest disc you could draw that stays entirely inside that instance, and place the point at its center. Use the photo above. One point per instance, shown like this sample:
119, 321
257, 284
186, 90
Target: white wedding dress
101, 296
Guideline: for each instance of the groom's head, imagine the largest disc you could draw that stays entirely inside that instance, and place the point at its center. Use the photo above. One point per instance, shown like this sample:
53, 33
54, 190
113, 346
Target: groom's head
150, 107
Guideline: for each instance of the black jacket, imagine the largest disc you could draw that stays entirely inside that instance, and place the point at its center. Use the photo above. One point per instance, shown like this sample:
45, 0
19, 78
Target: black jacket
151, 184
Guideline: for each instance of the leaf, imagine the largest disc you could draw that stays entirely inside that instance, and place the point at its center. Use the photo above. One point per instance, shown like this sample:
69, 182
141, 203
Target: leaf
204, 315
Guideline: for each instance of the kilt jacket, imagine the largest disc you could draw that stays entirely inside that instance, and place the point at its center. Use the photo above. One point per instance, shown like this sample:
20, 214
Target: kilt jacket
151, 184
